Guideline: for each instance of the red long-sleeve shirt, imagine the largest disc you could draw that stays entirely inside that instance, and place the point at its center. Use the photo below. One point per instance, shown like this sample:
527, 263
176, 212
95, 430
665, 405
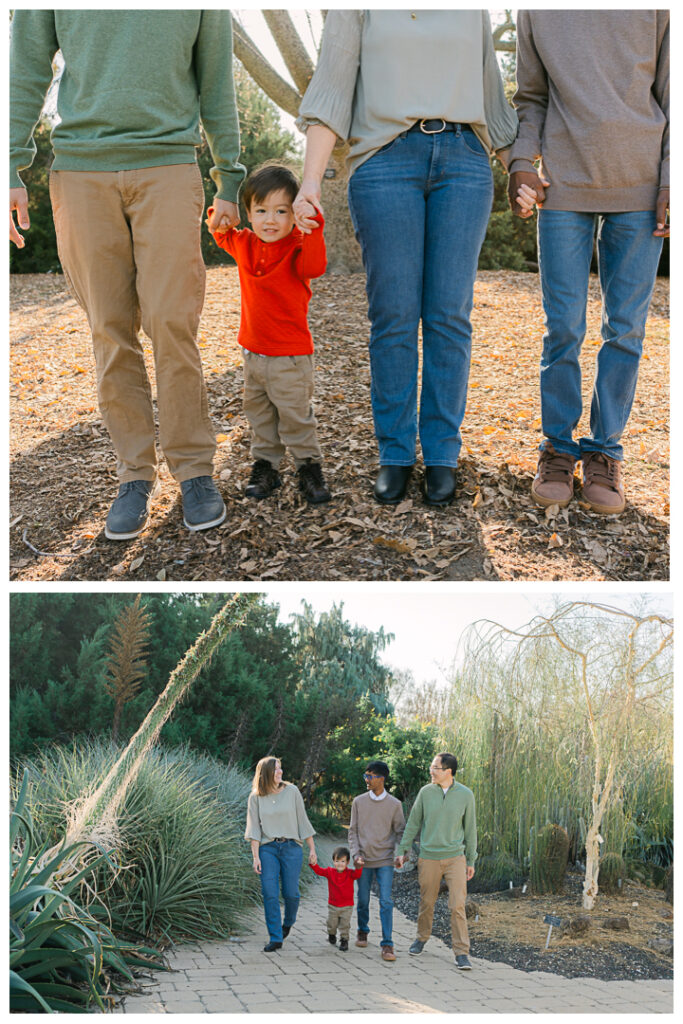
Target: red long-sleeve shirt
275, 289
339, 884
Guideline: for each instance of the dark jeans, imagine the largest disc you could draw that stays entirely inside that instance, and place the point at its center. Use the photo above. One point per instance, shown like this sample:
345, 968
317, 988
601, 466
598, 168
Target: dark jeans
280, 868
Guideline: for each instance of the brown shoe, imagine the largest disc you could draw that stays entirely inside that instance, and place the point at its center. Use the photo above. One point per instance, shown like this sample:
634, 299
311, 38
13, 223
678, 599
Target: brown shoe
554, 480
388, 953
361, 938
602, 485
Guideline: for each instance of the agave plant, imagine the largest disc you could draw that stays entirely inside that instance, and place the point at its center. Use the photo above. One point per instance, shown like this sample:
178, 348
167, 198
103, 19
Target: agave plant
61, 958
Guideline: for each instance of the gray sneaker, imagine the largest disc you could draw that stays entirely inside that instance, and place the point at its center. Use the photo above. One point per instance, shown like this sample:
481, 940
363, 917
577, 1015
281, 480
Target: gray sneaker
203, 506
416, 948
462, 962
130, 509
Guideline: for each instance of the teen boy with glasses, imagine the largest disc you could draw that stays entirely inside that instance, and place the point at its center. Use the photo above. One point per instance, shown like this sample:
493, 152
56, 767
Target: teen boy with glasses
377, 824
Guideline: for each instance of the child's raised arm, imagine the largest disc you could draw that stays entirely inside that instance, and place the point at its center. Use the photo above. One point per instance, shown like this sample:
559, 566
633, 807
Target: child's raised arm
223, 237
311, 260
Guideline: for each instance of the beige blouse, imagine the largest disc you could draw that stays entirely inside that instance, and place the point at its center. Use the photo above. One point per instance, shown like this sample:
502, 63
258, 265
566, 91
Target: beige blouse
278, 816
380, 71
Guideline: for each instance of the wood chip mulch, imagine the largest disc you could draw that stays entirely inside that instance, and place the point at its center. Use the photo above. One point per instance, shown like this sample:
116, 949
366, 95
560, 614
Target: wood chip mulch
513, 931
63, 478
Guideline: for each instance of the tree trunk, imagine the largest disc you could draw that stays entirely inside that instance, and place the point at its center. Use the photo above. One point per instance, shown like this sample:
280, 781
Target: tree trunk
343, 251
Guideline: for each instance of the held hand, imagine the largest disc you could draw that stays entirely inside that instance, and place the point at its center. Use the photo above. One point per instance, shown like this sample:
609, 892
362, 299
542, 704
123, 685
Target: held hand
519, 199
358, 861
305, 206
222, 215
312, 858
18, 200
663, 228
400, 860
257, 865
470, 874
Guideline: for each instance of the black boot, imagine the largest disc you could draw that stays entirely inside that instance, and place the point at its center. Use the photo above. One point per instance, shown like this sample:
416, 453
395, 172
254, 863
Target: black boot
439, 485
263, 481
272, 946
312, 483
391, 484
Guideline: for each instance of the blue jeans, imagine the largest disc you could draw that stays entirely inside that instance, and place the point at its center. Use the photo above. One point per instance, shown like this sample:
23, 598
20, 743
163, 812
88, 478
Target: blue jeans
628, 255
385, 878
420, 207
280, 867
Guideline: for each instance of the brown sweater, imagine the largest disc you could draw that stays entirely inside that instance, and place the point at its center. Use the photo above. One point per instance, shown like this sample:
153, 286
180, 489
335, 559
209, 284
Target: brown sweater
593, 102
376, 828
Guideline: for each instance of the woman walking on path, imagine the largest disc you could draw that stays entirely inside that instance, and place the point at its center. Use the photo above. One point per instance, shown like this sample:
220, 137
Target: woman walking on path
277, 826
420, 98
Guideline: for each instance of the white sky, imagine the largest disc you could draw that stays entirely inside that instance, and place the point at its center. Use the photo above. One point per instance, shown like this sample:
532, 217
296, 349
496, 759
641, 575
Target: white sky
428, 624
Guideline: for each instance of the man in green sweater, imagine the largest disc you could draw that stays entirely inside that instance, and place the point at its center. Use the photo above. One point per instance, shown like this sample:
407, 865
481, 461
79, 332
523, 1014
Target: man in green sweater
443, 817
127, 199
593, 105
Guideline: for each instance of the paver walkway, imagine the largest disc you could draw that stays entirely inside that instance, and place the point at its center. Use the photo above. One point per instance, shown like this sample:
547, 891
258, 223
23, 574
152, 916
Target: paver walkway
308, 975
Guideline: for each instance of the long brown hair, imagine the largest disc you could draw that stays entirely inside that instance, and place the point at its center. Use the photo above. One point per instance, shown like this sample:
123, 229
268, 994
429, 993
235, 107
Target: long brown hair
264, 776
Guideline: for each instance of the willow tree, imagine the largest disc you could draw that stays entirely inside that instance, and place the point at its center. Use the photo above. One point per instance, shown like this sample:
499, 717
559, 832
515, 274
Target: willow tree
590, 683
343, 250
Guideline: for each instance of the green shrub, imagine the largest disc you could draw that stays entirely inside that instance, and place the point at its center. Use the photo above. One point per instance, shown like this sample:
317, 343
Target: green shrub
188, 869
549, 856
612, 869
61, 958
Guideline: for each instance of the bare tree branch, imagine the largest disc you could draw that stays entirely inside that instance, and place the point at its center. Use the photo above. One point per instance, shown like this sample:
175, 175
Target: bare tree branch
265, 76
294, 53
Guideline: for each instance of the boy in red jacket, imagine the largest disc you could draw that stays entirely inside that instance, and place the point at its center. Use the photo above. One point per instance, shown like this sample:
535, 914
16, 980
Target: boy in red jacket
276, 262
340, 890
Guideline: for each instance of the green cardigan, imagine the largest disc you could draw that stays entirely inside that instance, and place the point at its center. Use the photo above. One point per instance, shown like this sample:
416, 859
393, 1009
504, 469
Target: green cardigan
136, 85
445, 823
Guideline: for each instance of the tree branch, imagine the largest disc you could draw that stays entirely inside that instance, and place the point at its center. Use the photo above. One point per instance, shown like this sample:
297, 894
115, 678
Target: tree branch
265, 76
294, 53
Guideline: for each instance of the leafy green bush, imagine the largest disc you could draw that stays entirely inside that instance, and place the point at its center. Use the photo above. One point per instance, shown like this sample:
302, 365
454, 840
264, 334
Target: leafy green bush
188, 869
61, 958
549, 856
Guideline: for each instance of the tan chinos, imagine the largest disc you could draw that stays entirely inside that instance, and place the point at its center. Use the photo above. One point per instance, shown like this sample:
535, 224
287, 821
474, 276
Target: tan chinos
129, 244
430, 873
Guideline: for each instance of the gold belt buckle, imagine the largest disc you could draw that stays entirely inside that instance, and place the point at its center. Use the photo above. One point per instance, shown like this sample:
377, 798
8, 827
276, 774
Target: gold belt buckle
437, 131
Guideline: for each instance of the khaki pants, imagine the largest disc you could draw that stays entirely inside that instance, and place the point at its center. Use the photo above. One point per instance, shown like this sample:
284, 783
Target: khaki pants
278, 393
129, 246
430, 873
339, 917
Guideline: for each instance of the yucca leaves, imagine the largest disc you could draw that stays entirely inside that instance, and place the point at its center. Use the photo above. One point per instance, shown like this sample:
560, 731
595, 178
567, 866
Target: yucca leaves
60, 955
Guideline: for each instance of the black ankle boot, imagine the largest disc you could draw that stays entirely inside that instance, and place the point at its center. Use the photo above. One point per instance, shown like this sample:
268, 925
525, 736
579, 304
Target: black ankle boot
391, 484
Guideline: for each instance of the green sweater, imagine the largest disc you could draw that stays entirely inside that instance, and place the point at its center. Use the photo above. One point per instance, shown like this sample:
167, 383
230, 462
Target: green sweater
445, 823
135, 86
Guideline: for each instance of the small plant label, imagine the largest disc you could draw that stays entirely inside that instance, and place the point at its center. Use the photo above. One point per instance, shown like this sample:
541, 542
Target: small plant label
553, 921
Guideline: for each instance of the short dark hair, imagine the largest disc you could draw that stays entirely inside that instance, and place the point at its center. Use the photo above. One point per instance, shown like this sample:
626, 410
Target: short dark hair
378, 768
267, 179
340, 853
449, 761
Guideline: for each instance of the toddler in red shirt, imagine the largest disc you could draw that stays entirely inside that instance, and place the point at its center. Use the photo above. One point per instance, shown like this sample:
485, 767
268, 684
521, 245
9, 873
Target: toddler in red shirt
340, 893
276, 262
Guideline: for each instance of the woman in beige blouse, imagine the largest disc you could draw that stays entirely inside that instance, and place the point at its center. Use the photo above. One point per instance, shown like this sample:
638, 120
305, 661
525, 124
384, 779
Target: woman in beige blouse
277, 826
419, 97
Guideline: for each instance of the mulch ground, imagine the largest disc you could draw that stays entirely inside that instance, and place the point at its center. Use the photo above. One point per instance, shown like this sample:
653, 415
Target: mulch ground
63, 479
512, 931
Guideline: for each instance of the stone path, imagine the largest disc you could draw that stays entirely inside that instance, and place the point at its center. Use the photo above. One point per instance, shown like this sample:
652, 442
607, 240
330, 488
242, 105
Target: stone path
308, 975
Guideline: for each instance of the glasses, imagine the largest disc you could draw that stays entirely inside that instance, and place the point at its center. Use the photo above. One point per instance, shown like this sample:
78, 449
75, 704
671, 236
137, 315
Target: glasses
369, 775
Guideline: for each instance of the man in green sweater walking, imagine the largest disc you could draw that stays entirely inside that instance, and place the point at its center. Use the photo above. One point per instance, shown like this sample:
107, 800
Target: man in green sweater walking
443, 817
593, 105
127, 199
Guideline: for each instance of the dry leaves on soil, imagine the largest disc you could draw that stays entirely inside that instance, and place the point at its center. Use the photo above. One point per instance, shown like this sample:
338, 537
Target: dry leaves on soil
63, 477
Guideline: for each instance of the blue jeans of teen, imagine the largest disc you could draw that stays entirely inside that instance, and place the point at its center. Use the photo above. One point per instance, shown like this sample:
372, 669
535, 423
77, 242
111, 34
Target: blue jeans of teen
628, 255
280, 869
420, 207
385, 878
